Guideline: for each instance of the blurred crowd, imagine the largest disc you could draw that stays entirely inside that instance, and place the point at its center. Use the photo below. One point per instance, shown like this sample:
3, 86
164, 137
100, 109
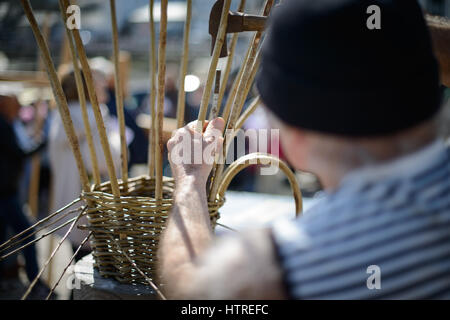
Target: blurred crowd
36, 131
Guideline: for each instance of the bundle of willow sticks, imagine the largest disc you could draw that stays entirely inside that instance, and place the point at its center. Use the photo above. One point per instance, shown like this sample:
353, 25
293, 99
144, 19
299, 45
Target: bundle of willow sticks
126, 216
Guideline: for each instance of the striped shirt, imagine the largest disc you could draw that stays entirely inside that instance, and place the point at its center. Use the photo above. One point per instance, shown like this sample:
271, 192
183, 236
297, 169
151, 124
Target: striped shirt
383, 234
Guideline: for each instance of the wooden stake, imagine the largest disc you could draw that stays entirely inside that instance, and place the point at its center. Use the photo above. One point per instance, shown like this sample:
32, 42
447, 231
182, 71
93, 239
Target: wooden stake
246, 75
119, 95
47, 262
35, 172
230, 58
214, 113
82, 99
248, 112
96, 108
58, 93
248, 71
161, 96
33, 189
214, 60
248, 85
45, 34
181, 105
232, 94
152, 99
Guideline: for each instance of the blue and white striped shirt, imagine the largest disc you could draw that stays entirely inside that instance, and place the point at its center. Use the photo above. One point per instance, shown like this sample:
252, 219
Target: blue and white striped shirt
395, 217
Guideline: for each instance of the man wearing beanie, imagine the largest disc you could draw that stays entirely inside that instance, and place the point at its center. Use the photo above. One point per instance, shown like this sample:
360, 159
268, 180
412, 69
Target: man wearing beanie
358, 106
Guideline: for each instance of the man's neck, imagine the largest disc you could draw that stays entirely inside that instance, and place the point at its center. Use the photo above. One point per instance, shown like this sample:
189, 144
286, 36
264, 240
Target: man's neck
331, 167
332, 174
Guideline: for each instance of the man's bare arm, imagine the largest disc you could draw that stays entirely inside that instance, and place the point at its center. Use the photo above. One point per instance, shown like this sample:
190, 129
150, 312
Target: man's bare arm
191, 265
188, 231
187, 236
236, 267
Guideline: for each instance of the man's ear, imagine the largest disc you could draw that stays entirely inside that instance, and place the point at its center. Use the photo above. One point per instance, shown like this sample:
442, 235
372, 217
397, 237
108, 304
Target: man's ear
295, 146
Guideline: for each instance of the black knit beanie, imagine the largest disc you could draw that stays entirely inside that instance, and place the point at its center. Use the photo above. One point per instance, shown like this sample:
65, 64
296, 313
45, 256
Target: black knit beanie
324, 70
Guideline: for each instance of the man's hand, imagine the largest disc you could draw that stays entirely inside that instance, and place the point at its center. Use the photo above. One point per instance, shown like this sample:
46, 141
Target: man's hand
190, 266
192, 154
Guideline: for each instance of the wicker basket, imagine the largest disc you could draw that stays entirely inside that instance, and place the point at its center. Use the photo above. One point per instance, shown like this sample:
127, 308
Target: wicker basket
132, 223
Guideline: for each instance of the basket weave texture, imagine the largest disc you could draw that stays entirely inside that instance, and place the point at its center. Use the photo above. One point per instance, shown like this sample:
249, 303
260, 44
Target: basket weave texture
132, 223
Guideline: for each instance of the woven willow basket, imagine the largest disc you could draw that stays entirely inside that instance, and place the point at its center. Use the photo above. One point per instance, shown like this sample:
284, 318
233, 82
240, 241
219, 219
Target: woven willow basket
131, 224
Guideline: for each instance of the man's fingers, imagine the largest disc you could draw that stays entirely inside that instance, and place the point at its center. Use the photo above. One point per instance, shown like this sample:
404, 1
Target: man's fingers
193, 125
215, 128
212, 133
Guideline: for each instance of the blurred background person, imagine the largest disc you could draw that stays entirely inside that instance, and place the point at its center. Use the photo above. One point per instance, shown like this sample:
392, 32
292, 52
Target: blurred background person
138, 147
15, 149
66, 185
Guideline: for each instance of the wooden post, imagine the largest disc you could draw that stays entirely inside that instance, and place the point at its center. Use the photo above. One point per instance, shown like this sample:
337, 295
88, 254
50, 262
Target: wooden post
35, 176
181, 105
230, 58
214, 113
161, 96
153, 92
248, 112
58, 93
96, 108
214, 60
247, 86
246, 75
232, 94
82, 99
119, 95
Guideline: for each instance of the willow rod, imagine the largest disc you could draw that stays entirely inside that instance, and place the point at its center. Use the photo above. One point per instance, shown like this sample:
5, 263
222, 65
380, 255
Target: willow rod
247, 86
149, 281
249, 111
96, 108
214, 60
68, 265
37, 239
246, 76
245, 65
119, 95
230, 58
59, 95
33, 283
15, 243
214, 112
153, 92
82, 99
263, 159
252, 107
35, 174
181, 105
247, 71
226, 227
235, 87
161, 95
40, 222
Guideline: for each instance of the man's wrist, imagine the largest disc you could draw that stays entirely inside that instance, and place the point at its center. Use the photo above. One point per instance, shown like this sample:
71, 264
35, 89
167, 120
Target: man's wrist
191, 182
